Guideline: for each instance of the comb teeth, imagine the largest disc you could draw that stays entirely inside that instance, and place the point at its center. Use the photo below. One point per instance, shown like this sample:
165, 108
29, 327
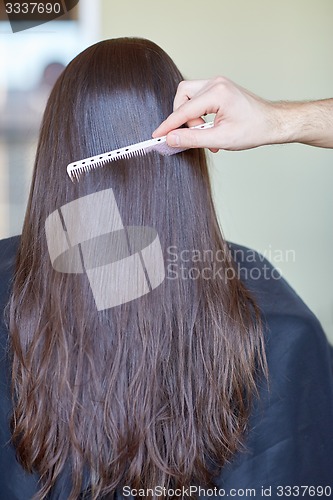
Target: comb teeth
76, 169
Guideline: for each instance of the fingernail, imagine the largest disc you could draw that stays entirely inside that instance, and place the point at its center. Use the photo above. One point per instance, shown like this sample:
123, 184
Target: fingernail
173, 140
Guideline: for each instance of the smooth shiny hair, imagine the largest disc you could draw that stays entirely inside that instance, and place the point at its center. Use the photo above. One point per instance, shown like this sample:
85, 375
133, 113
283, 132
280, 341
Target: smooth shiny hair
156, 391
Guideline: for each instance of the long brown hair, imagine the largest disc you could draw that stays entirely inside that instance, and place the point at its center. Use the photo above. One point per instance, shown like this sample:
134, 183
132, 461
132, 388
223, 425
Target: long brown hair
156, 391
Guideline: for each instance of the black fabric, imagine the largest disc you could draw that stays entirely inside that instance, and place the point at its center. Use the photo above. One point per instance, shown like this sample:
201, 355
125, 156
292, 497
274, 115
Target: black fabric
14, 482
290, 439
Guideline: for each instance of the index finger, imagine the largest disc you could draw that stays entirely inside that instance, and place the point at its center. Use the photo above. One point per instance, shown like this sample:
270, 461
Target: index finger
174, 121
186, 90
191, 111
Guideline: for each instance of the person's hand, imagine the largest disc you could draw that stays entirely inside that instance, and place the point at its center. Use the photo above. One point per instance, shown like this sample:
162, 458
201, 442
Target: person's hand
242, 119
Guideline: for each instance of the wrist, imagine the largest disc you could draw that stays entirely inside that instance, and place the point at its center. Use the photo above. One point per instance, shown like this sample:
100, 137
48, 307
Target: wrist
285, 122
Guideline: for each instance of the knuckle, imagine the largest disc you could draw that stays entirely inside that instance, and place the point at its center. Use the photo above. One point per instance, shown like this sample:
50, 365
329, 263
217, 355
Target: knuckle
221, 88
220, 80
182, 85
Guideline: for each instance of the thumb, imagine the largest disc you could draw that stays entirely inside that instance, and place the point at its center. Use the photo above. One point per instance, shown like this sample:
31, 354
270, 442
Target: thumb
189, 138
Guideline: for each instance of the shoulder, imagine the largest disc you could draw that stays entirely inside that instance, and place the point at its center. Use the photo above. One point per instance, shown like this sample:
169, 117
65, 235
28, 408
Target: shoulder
8, 251
296, 345
273, 293
287, 430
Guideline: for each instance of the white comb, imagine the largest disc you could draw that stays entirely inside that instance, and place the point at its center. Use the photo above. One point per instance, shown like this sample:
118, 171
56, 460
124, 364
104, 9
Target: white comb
77, 168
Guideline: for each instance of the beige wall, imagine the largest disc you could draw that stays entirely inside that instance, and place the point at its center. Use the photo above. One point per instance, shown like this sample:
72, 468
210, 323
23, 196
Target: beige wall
278, 199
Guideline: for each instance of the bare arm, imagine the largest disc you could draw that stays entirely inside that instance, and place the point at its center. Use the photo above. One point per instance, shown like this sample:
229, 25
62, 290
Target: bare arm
306, 122
244, 120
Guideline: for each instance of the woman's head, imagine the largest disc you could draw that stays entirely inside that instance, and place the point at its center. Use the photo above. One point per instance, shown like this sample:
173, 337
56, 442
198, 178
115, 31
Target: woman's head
156, 391
111, 95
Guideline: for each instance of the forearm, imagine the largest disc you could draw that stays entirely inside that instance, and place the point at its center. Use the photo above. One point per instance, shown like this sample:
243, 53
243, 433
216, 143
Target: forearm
305, 122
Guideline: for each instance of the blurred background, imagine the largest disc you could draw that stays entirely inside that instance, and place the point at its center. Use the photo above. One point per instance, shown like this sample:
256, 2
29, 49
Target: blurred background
277, 199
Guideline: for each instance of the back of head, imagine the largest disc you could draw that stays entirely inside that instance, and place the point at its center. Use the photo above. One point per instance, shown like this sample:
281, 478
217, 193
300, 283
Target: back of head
155, 391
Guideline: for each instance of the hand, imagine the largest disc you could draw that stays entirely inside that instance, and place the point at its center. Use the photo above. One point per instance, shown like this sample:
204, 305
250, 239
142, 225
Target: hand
242, 119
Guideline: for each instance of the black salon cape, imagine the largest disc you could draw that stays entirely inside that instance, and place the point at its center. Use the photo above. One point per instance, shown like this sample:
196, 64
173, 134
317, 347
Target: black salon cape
290, 442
